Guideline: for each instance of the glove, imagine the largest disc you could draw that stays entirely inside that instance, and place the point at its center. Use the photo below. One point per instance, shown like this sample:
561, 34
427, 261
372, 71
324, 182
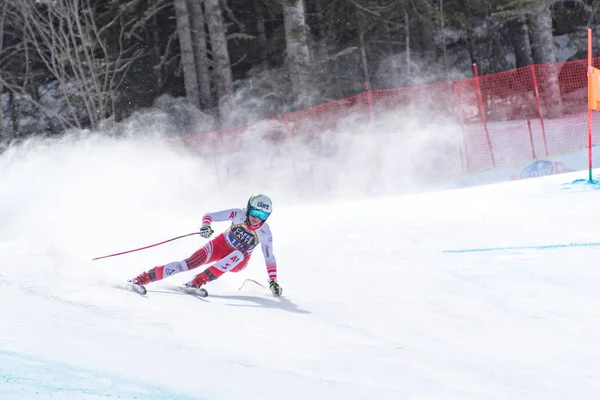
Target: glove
206, 231
275, 288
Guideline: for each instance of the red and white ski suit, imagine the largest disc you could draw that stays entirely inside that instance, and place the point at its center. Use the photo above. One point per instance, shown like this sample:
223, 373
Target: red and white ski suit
230, 251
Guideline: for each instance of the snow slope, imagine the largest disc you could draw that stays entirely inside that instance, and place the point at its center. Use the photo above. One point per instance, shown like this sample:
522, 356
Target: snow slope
374, 308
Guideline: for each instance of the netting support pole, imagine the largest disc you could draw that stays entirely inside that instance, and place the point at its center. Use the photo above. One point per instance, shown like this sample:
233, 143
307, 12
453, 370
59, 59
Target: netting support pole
461, 122
539, 104
289, 139
370, 100
482, 113
531, 139
287, 123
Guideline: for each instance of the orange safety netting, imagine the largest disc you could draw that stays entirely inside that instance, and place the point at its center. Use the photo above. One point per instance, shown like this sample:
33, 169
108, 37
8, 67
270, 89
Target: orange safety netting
505, 118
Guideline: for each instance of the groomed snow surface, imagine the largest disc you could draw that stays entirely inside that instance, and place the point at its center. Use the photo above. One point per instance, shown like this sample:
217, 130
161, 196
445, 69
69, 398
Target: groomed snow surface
375, 306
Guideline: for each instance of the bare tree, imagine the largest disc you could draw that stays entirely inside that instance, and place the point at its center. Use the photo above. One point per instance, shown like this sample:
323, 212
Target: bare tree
363, 50
298, 54
15, 67
407, 43
80, 54
200, 51
261, 30
543, 50
519, 35
220, 56
468, 26
540, 24
190, 77
443, 36
157, 54
424, 12
321, 29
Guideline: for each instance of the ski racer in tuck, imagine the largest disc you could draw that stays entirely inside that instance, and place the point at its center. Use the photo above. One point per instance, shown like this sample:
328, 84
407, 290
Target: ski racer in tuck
230, 251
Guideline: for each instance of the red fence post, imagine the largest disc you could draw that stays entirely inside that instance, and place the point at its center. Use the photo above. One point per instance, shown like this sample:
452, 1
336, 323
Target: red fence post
462, 127
590, 90
370, 101
531, 138
539, 104
289, 137
287, 125
213, 151
482, 113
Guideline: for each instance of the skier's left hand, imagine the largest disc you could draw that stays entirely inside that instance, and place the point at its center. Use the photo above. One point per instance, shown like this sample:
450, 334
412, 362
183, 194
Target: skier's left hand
206, 231
275, 288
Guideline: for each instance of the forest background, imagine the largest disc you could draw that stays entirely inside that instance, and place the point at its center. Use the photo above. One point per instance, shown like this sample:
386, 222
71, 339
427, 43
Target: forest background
209, 64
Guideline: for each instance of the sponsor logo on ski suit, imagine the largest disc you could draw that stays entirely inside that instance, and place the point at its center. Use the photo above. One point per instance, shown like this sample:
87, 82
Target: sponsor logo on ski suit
240, 237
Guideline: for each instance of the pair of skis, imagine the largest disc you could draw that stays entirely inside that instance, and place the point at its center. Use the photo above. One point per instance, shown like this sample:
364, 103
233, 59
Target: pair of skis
199, 292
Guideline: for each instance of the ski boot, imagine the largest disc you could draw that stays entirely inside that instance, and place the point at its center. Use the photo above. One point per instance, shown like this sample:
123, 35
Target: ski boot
138, 283
194, 286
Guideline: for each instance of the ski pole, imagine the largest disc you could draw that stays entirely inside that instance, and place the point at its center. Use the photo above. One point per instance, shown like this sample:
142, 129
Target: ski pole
147, 247
251, 280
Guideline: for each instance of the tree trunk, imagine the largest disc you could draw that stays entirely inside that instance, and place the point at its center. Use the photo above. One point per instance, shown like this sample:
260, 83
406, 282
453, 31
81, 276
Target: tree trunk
466, 6
407, 46
321, 31
426, 28
591, 24
519, 35
200, 52
190, 78
156, 55
15, 116
443, 35
391, 36
3, 132
261, 30
220, 55
540, 23
543, 50
363, 51
298, 54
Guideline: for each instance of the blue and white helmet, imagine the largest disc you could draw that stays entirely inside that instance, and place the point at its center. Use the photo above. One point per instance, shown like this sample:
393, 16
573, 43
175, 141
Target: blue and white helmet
259, 206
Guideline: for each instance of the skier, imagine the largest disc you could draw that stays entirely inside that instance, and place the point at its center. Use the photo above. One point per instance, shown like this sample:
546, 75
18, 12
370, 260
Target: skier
230, 251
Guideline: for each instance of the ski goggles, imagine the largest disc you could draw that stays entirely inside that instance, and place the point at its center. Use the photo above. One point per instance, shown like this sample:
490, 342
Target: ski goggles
260, 214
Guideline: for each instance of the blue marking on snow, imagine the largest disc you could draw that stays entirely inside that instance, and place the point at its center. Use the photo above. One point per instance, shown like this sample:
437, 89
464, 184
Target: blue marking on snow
581, 185
23, 377
543, 247
587, 181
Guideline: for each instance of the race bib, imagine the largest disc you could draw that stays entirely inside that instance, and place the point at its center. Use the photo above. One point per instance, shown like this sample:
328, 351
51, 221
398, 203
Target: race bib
246, 237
